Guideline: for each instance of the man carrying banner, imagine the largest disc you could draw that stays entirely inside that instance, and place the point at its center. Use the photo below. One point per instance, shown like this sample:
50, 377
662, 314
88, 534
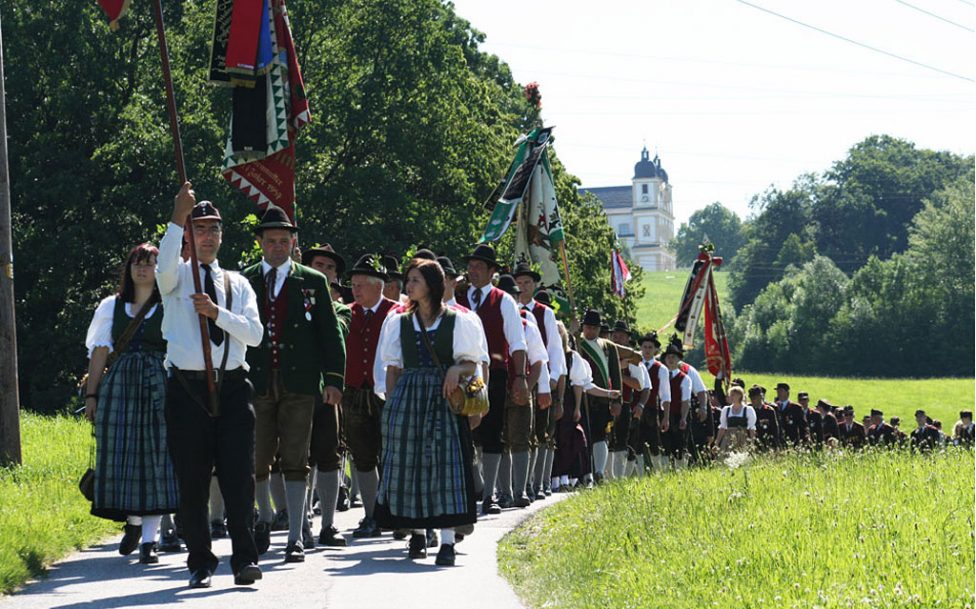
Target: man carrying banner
303, 354
200, 438
604, 360
506, 341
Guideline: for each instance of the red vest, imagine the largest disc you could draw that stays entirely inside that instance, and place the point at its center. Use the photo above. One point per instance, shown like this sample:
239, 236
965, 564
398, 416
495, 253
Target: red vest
361, 343
490, 313
539, 311
654, 370
276, 313
676, 400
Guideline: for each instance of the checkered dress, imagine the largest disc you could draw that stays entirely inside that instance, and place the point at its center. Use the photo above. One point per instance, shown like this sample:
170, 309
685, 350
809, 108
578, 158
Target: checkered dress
425, 472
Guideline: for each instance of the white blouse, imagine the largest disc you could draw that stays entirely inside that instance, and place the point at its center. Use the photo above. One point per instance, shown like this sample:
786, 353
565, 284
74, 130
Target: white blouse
580, 373
467, 344
749, 411
100, 328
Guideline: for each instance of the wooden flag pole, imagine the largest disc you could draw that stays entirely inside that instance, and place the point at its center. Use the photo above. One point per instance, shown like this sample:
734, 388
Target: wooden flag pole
174, 124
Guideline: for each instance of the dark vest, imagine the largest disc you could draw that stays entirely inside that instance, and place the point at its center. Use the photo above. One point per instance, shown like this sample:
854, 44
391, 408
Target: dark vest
490, 312
676, 400
149, 337
361, 343
275, 312
411, 341
539, 312
654, 370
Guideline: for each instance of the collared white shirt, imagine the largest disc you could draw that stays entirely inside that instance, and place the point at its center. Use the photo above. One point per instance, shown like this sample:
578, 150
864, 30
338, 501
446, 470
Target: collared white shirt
640, 373
663, 386
580, 373
512, 321
536, 352
283, 271
697, 386
241, 325
747, 410
554, 344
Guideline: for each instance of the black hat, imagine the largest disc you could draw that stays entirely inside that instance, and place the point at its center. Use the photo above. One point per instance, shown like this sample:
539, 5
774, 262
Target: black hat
621, 326
523, 268
327, 251
392, 266
848, 410
370, 265
965, 414
678, 347
895, 421
803, 395
543, 297
674, 349
483, 252
785, 386
506, 283
447, 266
652, 337
823, 404
205, 210
738, 382
755, 390
920, 413
425, 254
275, 217
592, 318
604, 328
876, 413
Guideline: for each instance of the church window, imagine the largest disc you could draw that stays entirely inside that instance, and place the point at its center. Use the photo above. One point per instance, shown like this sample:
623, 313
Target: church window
647, 230
643, 189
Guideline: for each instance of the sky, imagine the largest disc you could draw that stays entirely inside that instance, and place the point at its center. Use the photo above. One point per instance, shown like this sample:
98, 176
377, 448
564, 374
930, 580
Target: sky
732, 98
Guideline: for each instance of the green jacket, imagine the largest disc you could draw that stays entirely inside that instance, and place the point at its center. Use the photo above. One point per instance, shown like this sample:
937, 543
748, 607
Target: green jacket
312, 346
344, 314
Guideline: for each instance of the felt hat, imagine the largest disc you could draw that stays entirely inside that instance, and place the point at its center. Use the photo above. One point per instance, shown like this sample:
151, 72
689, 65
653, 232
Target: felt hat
920, 413
425, 254
674, 349
392, 266
592, 318
275, 217
506, 283
447, 266
803, 395
523, 268
483, 252
621, 326
327, 251
205, 210
785, 386
543, 298
370, 265
876, 413
651, 337
965, 414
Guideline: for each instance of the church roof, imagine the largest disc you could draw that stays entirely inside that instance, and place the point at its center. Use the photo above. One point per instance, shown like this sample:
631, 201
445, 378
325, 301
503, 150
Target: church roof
648, 169
612, 196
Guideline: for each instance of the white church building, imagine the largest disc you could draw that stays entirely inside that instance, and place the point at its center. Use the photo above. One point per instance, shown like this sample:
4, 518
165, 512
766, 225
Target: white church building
641, 214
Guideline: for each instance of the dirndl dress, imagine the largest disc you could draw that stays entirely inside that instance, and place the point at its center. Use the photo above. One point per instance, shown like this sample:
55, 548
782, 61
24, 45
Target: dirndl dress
425, 470
133, 471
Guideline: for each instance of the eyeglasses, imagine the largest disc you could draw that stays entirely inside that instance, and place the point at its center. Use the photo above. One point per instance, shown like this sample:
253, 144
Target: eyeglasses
206, 230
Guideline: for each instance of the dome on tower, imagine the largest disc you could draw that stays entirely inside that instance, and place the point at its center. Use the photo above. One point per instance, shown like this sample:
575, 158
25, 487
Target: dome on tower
648, 169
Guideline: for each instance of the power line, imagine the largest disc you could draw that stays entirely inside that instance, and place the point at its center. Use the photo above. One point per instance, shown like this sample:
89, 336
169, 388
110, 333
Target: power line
855, 42
933, 15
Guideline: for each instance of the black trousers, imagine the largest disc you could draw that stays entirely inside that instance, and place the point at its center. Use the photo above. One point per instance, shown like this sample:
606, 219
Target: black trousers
324, 449
200, 444
675, 439
620, 433
490, 430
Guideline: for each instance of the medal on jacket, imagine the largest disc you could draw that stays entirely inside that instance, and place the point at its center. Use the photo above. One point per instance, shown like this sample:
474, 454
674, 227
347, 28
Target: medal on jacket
309, 297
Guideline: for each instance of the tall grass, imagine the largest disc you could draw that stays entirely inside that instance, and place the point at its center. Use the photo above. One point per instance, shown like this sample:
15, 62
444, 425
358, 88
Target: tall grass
42, 513
827, 530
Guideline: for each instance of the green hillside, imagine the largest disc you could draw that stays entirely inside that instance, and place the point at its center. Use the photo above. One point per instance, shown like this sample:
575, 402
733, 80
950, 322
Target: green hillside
662, 296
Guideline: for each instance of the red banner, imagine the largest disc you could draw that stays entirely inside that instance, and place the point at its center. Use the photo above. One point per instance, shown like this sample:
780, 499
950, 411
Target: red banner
114, 9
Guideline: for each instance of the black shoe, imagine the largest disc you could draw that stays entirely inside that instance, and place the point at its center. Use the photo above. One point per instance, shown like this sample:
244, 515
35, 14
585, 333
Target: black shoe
521, 502
169, 542
280, 522
490, 507
445, 556
308, 539
399, 534
540, 495
200, 578
147, 554
317, 508
331, 538
262, 537
295, 552
367, 528
247, 575
432, 538
418, 546
548, 492
354, 501
218, 530
504, 502
131, 534
342, 501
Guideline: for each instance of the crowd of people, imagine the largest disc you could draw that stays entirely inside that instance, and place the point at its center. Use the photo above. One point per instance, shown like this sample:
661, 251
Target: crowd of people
318, 369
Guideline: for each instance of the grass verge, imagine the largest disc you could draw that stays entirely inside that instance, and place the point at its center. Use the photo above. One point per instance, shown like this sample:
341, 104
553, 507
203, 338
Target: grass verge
829, 530
42, 514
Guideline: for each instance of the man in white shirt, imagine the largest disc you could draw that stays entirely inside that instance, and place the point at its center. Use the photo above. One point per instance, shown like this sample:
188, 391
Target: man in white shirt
658, 402
199, 438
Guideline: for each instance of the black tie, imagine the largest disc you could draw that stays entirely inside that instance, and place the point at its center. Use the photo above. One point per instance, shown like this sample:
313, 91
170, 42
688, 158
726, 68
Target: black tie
216, 334
367, 315
476, 299
272, 281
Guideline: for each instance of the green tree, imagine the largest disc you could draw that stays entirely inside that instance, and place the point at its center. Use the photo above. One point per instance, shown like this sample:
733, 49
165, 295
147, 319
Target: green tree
717, 224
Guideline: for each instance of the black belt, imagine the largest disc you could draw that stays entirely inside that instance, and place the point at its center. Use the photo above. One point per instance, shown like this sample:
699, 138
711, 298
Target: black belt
201, 375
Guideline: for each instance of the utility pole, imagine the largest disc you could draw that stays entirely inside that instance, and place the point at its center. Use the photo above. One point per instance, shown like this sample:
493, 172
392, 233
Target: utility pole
9, 394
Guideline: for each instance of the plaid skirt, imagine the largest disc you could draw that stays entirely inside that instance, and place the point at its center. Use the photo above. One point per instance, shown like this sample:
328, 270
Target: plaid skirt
133, 471
425, 474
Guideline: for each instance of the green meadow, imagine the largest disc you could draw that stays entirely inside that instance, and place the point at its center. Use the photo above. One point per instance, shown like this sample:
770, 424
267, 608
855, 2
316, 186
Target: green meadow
662, 296
826, 530
42, 513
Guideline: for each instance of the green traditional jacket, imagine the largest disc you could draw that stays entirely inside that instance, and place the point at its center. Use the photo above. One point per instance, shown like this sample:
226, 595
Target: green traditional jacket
344, 315
605, 377
312, 346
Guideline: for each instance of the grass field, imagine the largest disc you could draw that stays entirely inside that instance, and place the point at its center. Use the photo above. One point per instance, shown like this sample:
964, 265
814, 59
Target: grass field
42, 514
827, 530
662, 294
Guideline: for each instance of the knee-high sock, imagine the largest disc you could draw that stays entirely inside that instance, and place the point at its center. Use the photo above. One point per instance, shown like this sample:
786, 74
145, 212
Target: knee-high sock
476, 472
661, 463
679, 464
327, 484
550, 457
150, 528
295, 500
134, 520
447, 537
262, 494
368, 485
353, 482
520, 472
539, 472
491, 462
639, 466
505, 475
533, 457
216, 501
619, 463
310, 492
600, 453
278, 491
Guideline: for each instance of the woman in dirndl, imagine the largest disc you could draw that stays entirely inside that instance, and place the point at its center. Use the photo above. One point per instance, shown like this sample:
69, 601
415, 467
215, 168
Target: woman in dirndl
134, 479
737, 426
426, 480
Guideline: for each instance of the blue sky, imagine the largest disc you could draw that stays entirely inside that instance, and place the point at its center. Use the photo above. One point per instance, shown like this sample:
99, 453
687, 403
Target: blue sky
732, 98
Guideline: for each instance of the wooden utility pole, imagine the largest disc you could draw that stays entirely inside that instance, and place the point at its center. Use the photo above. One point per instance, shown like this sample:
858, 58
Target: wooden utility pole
9, 394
